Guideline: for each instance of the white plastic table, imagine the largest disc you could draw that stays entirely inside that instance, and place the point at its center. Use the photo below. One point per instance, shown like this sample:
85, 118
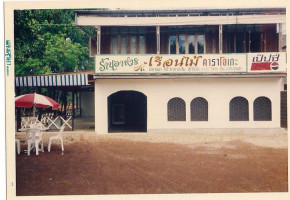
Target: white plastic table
28, 129
31, 132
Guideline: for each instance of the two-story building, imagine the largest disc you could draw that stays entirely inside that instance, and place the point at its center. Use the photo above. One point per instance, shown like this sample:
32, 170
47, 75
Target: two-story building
187, 69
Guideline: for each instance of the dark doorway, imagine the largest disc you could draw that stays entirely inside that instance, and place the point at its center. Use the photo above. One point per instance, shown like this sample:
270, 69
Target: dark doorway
127, 112
256, 42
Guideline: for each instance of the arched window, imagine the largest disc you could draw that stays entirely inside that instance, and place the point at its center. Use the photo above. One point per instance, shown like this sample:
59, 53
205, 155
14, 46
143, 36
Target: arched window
199, 109
262, 109
239, 109
176, 109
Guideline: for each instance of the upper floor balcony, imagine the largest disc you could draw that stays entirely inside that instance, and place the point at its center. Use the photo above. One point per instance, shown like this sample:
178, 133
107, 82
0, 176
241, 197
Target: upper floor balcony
185, 31
181, 36
210, 39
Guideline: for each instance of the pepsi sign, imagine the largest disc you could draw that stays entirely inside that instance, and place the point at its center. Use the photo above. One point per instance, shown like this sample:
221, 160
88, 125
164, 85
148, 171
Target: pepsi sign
267, 62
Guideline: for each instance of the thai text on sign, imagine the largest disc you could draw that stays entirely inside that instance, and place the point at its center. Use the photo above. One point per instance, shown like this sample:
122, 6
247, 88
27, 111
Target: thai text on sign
267, 62
166, 64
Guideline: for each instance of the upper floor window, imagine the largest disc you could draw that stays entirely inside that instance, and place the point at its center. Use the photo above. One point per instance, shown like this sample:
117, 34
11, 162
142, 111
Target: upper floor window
187, 44
123, 45
244, 38
172, 44
131, 44
128, 40
142, 44
114, 45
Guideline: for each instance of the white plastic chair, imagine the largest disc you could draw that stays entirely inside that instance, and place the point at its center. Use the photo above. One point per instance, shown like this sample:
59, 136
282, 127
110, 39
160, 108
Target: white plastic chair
17, 143
35, 139
57, 137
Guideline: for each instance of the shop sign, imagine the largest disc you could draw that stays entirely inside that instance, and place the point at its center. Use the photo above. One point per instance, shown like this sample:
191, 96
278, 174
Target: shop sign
170, 64
267, 62
191, 64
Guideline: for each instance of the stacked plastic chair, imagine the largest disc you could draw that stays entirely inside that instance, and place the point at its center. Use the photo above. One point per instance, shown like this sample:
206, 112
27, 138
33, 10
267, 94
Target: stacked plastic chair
57, 137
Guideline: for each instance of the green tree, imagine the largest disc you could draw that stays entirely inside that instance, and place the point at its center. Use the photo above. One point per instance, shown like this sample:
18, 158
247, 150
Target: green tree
61, 55
46, 41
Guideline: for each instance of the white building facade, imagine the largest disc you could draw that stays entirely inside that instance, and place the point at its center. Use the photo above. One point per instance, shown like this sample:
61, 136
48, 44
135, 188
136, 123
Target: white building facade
187, 69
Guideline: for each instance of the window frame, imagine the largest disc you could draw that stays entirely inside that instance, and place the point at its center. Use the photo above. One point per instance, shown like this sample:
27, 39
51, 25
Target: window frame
234, 119
173, 118
198, 118
187, 44
256, 117
128, 42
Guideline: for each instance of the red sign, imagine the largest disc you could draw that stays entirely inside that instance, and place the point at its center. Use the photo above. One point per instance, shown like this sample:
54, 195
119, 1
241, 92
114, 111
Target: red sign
267, 61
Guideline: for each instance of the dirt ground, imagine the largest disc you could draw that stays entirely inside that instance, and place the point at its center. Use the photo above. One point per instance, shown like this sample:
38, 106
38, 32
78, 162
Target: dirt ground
155, 164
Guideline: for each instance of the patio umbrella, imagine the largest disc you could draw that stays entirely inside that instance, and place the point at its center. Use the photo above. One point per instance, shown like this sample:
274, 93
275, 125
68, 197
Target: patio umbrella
35, 100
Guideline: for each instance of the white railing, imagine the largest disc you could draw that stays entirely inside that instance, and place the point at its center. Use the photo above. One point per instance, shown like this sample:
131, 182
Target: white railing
47, 120
26, 122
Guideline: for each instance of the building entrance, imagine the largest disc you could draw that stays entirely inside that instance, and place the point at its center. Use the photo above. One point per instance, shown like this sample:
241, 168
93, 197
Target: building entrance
127, 112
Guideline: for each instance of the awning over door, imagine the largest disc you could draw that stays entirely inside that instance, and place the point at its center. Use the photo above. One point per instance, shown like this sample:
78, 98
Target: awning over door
75, 79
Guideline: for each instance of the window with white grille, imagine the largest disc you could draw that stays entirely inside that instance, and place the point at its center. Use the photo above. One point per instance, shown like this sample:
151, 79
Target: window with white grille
176, 109
199, 109
262, 109
239, 109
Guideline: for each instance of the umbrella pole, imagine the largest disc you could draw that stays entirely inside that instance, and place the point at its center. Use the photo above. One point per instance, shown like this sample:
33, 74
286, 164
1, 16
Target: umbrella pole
34, 110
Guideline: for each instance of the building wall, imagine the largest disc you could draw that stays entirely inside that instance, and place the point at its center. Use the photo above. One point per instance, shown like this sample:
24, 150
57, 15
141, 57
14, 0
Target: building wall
217, 91
87, 104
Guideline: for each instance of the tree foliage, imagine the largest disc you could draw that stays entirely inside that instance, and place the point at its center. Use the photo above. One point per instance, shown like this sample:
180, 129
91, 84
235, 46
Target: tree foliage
47, 42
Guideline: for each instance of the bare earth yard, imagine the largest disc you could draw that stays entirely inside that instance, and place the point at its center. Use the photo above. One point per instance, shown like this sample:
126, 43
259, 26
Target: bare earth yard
139, 163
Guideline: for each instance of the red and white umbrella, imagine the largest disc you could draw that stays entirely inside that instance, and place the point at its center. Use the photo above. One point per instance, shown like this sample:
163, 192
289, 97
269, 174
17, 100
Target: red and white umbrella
37, 100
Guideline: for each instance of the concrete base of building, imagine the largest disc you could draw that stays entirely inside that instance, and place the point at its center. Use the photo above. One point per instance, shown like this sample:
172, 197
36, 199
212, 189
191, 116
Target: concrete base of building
223, 130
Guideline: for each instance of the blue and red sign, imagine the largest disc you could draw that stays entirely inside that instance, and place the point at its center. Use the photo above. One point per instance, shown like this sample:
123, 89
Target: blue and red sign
267, 62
